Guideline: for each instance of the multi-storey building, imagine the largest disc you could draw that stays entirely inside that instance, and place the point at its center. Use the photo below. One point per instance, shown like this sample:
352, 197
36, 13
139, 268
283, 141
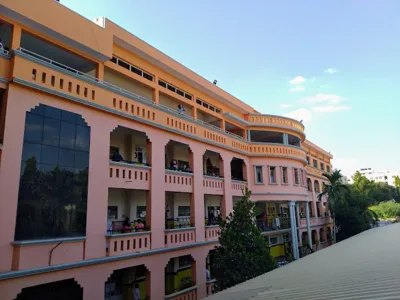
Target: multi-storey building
106, 184
379, 176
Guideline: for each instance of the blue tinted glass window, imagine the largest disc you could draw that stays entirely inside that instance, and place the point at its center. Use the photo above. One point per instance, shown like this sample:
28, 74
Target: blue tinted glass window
51, 132
49, 155
52, 112
52, 197
31, 150
67, 135
67, 158
82, 138
33, 128
69, 117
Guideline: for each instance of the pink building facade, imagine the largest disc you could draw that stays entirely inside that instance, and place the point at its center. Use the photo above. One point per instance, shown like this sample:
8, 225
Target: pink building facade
117, 162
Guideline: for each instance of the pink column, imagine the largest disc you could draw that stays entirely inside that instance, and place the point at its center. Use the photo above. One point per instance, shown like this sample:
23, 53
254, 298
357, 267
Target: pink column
10, 172
198, 192
157, 278
93, 283
227, 201
157, 190
200, 271
97, 203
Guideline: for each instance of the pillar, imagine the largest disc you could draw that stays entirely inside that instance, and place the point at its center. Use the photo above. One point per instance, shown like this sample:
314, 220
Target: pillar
157, 192
194, 112
227, 200
14, 127
199, 269
308, 225
249, 135
198, 193
293, 230
97, 203
157, 279
16, 37
298, 222
100, 71
93, 285
223, 124
156, 96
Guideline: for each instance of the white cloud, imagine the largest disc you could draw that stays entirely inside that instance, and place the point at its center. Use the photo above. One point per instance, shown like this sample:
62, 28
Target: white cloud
285, 105
328, 98
301, 114
331, 71
297, 80
297, 88
330, 108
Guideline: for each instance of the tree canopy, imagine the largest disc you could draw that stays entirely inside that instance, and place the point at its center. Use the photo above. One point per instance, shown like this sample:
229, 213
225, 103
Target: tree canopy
243, 252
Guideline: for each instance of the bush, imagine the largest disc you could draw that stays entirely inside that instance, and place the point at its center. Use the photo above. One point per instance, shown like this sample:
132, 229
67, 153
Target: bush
386, 210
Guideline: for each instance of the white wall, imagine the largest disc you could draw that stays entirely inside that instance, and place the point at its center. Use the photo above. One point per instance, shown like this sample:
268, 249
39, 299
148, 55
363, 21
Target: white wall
174, 200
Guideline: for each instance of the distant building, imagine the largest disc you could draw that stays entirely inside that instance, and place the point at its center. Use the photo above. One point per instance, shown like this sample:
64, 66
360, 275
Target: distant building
378, 176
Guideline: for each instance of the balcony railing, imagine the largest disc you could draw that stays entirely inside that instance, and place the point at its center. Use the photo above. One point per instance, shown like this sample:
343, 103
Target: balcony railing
53, 77
276, 121
213, 185
178, 237
273, 224
212, 232
315, 221
238, 186
186, 294
126, 243
177, 181
129, 176
210, 286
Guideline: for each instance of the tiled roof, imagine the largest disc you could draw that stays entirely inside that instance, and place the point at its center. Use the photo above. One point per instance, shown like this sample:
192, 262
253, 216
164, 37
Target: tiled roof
366, 266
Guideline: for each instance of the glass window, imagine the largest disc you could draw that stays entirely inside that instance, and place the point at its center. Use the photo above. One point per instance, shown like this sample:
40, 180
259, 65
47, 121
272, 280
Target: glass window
31, 150
259, 175
284, 175
308, 160
52, 197
33, 128
272, 174
51, 132
183, 211
315, 163
322, 166
296, 176
328, 169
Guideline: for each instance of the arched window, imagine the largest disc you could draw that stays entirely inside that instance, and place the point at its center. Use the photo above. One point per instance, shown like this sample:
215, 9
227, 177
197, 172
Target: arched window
53, 184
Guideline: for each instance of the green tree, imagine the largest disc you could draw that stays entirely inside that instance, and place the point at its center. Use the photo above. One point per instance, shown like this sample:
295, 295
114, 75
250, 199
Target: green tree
243, 252
335, 189
397, 182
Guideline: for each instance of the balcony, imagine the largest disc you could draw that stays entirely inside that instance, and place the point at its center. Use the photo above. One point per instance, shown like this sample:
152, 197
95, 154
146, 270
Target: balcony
127, 243
129, 176
237, 187
5, 64
178, 181
210, 286
186, 294
36, 71
179, 237
273, 224
212, 232
273, 121
213, 185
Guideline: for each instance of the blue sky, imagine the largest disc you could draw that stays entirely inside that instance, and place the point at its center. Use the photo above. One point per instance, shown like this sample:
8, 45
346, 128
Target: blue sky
334, 64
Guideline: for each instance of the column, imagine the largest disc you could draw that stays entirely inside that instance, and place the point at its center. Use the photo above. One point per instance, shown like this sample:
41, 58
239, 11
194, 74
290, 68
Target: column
157, 191
198, 193
100, 71
10, 163
249, 135
156, 96
293, 230
157, 279
97, 203
298, 222
308, 225
16, 37
194, 112
93, 283
227, 201
199, 271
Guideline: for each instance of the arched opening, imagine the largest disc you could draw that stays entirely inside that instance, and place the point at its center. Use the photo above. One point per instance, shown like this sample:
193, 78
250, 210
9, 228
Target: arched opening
309, 185
322, 236
178, 157
314, 237
67, 289
123, 284
316, 186
213, 164
238, 169
52, 199
210, 279
130, 146
179, 210
304, 238
212, 206
329, 234
180, 274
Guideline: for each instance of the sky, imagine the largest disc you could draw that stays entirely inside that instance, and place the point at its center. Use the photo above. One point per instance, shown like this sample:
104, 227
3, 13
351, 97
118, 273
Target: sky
333, 64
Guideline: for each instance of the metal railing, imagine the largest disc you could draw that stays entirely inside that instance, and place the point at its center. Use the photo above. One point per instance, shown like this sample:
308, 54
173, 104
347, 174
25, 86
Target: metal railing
115, 87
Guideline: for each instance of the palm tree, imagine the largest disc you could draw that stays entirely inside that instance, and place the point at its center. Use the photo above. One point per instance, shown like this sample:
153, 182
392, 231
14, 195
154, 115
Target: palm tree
333, 190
